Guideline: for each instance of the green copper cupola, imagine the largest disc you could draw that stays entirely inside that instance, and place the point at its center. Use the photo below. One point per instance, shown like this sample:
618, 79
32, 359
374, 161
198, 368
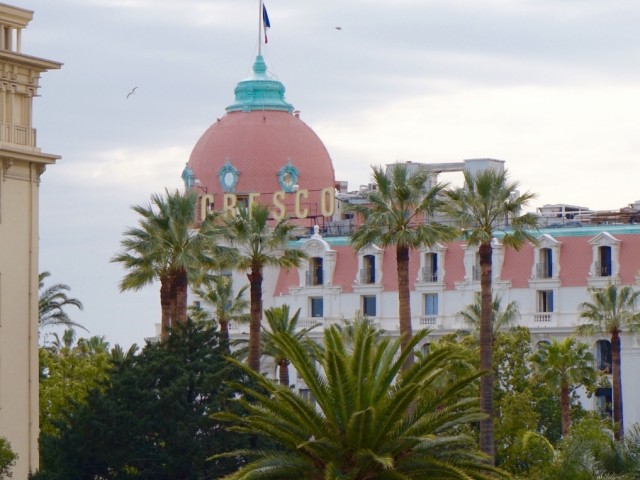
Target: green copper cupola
259, 92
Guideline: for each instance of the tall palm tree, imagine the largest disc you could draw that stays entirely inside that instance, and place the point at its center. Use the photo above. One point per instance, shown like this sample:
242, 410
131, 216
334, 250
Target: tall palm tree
611, 310
256, 244
279, 321
397, 214
501, 318
52, 303
165, 247
566, 365
359, 425
227, 307
487, 204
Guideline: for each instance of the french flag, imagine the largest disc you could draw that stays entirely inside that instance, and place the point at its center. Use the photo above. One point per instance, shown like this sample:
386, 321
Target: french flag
265, 22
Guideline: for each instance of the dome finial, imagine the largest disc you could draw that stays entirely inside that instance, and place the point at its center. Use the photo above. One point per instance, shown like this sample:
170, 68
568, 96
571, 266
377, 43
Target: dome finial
261, 91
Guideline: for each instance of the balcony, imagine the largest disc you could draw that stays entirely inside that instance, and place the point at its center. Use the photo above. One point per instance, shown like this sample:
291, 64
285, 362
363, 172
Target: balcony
428, 275
314, 278
367, 276
428, 320
543, 317
17, 134
603, 269
475, 273
543, 270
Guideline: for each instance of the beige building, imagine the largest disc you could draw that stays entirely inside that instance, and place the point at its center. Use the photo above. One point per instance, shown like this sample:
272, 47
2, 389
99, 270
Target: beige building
21, 165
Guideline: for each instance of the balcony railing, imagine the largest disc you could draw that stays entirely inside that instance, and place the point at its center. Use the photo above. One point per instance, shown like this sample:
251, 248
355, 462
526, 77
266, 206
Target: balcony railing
18, 134
367, 275
314, 277
603, 269
475, 273
543, 317
543, 270
428, 320
428, 275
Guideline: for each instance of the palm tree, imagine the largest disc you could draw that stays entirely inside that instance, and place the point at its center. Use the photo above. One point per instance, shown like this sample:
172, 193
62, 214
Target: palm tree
611, 310
501, 318
489, 203
255, 244
227, 307
279, 321
165, 247
52, 302
566, 365
359, 424
398, 214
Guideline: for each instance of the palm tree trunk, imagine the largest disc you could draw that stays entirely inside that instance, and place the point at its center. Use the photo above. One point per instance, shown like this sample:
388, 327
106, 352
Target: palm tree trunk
565, 408
165, 307
617, 385
404, 305
486, 351
283, 367
255, 322
224, 335
181, 296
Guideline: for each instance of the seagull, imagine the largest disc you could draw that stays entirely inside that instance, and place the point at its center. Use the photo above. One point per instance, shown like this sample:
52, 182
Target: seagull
132, 92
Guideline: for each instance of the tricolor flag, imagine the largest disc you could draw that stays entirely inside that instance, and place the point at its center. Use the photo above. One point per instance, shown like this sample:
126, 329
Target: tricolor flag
266, 23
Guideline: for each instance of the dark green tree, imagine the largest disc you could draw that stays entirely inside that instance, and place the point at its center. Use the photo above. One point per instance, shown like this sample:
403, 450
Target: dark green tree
153, 418
398, 214
488, 204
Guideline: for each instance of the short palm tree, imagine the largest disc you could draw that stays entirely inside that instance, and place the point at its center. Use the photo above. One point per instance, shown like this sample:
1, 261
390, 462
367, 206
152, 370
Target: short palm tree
397, 214
52, 303
488, 204
279, 320
566, 365
611, 310
165, 247
255, 243
501, 318
371, 419
227, 307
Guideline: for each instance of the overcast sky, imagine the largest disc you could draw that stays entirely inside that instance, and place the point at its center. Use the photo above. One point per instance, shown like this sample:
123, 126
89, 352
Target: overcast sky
550, 86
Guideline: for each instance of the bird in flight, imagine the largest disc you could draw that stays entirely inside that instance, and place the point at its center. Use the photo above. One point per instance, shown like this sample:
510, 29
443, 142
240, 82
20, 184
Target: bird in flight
132, 92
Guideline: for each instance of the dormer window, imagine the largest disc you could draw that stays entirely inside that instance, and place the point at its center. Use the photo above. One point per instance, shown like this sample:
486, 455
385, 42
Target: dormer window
315, 275
545, 265
368, 271
430, 269
605, 265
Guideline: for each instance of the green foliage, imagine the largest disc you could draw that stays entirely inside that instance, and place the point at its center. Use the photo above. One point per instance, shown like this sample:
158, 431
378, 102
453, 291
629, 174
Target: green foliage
151, 419
68, 373
370, 418
7, 459
165, 247
253, 243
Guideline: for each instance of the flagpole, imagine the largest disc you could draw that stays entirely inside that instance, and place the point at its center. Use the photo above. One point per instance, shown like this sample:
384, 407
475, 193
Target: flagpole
260, 10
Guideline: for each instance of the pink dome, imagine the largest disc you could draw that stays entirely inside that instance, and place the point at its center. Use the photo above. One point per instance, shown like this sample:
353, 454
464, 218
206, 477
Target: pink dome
257, 145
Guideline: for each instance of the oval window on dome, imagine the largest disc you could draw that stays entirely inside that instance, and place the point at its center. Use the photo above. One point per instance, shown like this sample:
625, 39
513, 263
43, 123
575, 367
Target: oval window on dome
288, 177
